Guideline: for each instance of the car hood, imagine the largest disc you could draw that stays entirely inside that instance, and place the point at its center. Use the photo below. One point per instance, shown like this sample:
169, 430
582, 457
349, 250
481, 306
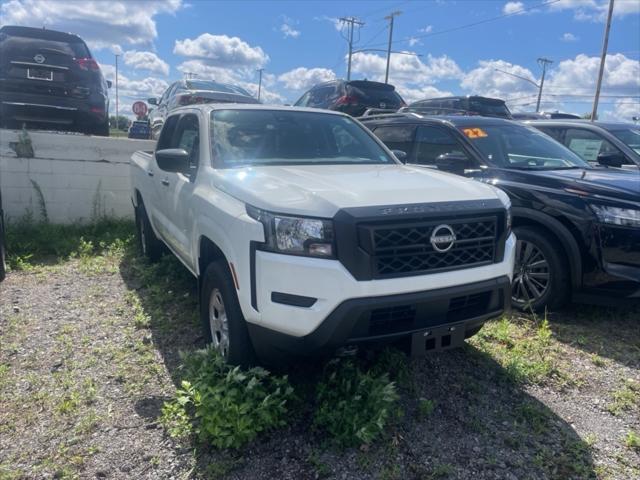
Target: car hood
321, 190
615, 184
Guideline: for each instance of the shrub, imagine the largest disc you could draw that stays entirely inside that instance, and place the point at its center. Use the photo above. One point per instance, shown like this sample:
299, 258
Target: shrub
225, 405
354, 407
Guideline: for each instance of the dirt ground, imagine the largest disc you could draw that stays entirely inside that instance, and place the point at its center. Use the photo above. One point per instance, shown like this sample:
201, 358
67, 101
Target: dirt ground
90, 349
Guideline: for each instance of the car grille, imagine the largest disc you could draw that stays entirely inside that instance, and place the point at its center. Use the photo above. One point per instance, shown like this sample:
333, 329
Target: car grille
406, 249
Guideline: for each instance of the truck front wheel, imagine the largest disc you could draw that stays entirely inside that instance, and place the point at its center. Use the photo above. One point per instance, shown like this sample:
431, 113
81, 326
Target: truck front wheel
150, 246
223, 324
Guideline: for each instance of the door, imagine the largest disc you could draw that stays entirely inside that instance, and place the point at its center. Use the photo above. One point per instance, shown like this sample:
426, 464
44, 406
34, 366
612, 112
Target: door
435, 144
178, 188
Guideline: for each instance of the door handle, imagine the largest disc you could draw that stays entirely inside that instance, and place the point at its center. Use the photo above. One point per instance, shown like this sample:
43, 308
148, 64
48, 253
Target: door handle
150, 173
165, 182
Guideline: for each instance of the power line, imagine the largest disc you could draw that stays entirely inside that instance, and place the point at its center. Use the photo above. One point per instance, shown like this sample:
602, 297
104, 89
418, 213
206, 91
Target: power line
351, 22
480, 22
603, 58
390, 17
543, 62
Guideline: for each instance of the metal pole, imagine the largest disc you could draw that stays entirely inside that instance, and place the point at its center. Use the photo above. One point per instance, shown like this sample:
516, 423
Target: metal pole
351, 22
390, 18
603, 58
544, 62
117, 114
260, 70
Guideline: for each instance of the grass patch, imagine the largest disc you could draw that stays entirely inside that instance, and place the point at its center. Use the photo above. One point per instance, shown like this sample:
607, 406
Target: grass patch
32, 244
632, 440
226, 406
626, 398
524, 347
354, 407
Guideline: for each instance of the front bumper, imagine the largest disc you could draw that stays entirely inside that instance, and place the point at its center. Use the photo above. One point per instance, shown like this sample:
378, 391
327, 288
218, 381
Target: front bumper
452, 311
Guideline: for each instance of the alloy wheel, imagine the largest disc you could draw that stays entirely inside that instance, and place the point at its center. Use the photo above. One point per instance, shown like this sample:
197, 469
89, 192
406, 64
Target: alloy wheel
531, 274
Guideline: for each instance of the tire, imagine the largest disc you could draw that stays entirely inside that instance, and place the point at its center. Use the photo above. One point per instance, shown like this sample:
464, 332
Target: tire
149, 245
540, 276
102, 130
223, 324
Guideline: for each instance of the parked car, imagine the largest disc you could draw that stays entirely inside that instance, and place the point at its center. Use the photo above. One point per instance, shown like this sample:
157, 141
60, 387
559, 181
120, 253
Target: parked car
306, 233
544, 115
577, 227
465, 105
605, 143
191, 92
352, 97
50, 78
140, 129
3, 248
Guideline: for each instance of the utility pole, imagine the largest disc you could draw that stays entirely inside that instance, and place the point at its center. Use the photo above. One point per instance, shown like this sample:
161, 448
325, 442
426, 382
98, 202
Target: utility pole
260, 70
351, 22
390, 17
117, 113
543, 62
603, 58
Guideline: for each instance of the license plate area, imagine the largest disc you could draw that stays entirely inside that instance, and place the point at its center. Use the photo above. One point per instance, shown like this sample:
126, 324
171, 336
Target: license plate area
437, 339
40, 74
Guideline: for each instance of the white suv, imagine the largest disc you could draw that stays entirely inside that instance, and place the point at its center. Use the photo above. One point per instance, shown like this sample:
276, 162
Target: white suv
307, 234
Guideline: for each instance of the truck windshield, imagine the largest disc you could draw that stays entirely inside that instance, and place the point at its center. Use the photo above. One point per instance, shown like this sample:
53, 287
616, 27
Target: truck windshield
629, 136
520, 147
284, 137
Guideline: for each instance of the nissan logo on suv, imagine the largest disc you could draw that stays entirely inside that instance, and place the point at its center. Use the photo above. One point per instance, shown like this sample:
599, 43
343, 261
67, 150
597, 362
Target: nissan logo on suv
442, 238
39, 58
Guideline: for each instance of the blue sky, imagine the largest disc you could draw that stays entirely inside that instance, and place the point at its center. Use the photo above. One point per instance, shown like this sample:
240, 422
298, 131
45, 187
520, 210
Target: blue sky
301, 43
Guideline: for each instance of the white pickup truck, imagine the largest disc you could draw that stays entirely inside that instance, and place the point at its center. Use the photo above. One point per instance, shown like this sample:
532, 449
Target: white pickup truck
307, 234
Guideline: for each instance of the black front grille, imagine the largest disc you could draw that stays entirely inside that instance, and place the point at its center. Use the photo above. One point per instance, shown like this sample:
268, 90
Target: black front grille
406, 249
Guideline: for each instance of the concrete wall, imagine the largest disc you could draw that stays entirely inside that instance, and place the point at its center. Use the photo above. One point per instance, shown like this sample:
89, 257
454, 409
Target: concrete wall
73, 178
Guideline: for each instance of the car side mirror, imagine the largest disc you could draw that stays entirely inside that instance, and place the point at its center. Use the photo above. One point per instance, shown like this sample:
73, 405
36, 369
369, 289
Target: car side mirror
401, 155
109, 84
173, 160
613, 159
152, 101
453, 163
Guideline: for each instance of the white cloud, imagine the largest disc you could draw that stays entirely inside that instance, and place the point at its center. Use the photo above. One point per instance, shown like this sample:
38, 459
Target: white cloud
427, 29
569, 37
414, 41
221, 50
335, 21
302, 78
146, 61
405, 69
287, 27
596, 10
137, 89
511, 8
130, 22
624, 109
485, 80
414, 94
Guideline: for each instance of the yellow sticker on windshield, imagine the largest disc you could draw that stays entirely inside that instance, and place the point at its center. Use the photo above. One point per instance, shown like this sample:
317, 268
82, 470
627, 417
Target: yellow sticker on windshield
474, 132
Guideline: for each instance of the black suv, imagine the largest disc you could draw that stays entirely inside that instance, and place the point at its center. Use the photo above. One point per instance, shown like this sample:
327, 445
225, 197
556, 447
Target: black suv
607, 143
49, 78
466, 105
577, 227
353, 97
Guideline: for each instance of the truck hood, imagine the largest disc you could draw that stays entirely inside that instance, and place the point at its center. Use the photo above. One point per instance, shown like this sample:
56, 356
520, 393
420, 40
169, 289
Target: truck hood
321, 190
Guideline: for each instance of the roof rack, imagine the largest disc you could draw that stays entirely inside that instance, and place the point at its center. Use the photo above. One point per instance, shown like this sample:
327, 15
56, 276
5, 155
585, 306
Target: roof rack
437, 111
389, 115
378, 111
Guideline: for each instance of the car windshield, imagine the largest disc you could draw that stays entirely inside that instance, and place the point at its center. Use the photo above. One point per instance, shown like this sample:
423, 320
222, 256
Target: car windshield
520, 147
630, 137
215, 86
284, 137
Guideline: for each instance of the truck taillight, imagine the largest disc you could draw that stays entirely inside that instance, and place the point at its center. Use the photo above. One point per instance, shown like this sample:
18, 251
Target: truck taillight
88, 64
347, 100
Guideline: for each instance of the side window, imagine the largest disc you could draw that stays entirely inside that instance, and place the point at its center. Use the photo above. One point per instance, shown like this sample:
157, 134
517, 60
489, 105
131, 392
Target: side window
320, 96
168, 129
399, 137
187, 137
431, 142
588, 145
556, 133
303, 101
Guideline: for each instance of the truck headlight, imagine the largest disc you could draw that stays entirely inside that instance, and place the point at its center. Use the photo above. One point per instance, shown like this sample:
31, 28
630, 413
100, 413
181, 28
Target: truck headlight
506, 202
311, 237
627, 217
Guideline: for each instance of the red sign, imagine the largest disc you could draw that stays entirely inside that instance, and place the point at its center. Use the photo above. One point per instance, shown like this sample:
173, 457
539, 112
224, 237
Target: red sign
139, 108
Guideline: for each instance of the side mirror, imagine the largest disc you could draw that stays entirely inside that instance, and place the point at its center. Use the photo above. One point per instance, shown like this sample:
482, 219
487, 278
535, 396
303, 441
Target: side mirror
400, 155
109, 84
453, 163
152, 101
611, 159
173, 160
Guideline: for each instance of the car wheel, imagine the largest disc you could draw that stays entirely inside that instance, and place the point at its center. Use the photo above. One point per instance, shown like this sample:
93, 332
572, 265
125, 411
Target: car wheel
150, 246
223, 324
540, 275
102, 130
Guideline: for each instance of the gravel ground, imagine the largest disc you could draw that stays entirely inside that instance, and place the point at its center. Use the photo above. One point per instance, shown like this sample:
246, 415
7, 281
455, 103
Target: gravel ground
88, 356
